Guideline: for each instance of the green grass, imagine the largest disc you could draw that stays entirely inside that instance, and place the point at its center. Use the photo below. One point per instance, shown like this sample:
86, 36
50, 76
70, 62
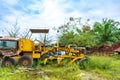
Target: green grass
50, 72
67, 72
106, 67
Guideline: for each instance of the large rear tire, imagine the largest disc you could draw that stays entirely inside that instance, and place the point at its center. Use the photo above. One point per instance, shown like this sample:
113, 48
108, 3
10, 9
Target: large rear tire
8, 61
25, 61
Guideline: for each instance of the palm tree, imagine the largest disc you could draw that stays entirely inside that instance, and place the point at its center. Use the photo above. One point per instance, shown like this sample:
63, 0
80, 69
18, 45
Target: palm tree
106, 32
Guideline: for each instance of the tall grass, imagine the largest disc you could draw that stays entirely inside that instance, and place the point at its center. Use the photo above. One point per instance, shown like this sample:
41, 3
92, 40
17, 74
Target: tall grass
50, 72
108, 67
98, 62
64, 72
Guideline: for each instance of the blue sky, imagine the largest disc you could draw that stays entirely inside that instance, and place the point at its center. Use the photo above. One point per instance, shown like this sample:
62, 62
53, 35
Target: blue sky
50, 13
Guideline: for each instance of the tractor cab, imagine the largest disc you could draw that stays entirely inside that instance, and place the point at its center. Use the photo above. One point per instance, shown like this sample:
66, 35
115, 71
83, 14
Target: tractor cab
8, 46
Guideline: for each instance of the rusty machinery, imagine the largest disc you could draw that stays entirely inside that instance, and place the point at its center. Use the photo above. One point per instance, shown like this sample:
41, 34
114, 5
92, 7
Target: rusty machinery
61, 53
23, 51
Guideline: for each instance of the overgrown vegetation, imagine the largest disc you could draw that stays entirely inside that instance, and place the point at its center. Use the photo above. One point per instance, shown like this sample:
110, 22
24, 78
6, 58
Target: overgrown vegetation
107, 67
104, 32
48, 72
103, 67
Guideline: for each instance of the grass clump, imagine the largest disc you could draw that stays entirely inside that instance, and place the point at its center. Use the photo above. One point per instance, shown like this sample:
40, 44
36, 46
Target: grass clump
108, 67
98, 62
66, 72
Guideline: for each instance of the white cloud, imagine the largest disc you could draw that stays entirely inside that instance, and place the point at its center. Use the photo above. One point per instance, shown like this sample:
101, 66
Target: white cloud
96, 12
52, 13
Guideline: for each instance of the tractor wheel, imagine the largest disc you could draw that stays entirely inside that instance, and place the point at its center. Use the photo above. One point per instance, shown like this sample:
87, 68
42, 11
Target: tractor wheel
25, 61
8, 61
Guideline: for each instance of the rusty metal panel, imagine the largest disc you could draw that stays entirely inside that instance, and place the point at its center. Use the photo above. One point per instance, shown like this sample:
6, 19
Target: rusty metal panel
9, 38
26, 45
118, 49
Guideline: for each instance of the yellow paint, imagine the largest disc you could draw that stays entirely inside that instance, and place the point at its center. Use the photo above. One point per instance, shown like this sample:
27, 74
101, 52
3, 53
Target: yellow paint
26, 45
16, 58
35, 55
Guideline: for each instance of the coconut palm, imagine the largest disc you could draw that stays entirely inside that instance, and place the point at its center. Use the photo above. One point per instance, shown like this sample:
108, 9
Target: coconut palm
106, 32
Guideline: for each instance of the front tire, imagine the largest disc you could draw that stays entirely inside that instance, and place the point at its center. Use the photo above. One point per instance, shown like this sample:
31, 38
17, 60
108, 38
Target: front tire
8, 61
25, 61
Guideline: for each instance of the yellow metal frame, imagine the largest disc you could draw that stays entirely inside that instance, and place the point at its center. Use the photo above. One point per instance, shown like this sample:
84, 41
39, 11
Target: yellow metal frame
35, 55
61, 57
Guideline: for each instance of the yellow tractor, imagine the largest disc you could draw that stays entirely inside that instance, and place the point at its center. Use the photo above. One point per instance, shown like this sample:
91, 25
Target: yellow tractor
20, 51
23, 51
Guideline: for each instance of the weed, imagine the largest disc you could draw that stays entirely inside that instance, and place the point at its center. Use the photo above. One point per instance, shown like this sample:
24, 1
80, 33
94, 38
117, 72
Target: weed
107, 67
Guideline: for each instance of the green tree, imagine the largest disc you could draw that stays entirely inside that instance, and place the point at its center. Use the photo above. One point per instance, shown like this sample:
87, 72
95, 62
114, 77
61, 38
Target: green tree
67, 38
106, 32
85, 36
80, 35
